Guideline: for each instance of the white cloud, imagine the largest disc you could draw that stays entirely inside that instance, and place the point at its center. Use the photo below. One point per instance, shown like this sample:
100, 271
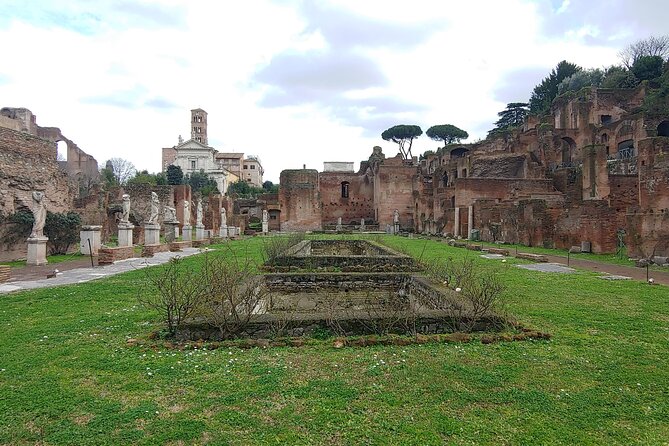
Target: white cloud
120, 79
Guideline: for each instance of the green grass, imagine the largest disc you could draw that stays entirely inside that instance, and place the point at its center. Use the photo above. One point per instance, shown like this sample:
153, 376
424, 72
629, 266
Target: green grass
57, 258
68, 376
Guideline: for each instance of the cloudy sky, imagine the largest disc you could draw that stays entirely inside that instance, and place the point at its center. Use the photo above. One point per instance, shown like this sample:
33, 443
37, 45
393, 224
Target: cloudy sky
293, 82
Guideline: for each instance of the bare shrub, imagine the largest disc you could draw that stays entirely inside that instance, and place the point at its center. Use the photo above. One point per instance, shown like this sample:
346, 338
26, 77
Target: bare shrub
234, 293
275, 247
387, 314
479, 292
175, 290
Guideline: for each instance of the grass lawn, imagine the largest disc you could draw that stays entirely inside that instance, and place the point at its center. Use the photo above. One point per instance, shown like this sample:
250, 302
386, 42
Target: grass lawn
68, 376
56, 258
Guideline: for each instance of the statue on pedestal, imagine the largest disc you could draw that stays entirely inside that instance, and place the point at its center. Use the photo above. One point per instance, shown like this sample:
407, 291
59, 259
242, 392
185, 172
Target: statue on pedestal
39, 214
155, 204
224, 218
125, 216
198, 222
186, 213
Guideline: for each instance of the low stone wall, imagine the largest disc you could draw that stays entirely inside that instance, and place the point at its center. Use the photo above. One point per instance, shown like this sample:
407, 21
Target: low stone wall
151, 250
200, 243
355, 255
504, 252
4, 273
107, 256
532, 257
179, 246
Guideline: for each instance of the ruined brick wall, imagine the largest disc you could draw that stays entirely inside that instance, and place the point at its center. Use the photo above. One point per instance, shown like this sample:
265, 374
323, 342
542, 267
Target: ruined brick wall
653, 165
468, 190
393, 189
359, 203
28, 163
300, 200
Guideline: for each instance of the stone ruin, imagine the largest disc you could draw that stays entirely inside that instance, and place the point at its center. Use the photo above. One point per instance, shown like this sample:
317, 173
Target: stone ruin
356, 286
597, 167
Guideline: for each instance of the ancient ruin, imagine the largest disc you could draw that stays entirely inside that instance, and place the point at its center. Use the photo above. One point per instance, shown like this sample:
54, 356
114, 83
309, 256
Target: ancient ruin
596, 174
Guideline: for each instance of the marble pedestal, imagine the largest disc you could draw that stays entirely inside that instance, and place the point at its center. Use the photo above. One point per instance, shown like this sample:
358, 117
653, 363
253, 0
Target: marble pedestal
37, 251
171, 230
223, 232
396, 228
125, 234
91, 233
265, 227
187, 233
151, 234
199, 232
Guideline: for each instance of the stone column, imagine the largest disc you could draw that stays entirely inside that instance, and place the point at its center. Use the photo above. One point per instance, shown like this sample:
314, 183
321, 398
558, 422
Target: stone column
125, 234
456, 224
37, 251
339, 224
92, 233
152, 234
470, 221
199, 232
187, 233
362, 225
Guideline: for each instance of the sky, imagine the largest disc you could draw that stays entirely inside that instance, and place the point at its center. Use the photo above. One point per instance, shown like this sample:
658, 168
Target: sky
293, 82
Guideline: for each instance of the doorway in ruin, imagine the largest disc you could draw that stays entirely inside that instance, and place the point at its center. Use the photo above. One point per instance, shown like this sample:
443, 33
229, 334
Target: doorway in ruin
663, 129
61, 152
567, 149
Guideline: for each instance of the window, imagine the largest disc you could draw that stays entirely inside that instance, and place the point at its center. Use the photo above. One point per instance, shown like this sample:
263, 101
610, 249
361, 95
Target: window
253, 166
192, 164
344, 189
245, 167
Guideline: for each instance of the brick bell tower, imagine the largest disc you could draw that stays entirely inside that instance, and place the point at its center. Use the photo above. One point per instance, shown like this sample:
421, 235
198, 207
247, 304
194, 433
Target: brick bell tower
198, 126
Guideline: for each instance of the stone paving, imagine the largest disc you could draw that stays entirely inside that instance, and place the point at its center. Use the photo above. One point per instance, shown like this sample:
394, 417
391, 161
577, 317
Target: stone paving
548, 268
81, 275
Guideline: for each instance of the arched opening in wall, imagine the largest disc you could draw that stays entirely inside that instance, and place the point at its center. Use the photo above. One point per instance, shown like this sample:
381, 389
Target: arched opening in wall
464, 173
453, 201
444, 180
568, 146
663, 129
626, 149
344, 189
459, 152
61, 154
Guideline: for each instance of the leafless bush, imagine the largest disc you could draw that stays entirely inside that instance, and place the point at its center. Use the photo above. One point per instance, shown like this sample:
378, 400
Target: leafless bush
283, 320
334, 312
234, 293
275, 247
175, 290
479, 292
386, 314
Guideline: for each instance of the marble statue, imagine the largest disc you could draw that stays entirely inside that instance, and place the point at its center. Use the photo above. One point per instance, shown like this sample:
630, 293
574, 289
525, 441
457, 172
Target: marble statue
170, 214
186, 213
198, 222
125, 216
224, 217
39, 213
155, 203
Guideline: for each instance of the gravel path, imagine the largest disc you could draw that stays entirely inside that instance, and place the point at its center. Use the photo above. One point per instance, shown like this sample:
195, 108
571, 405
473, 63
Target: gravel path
79, 271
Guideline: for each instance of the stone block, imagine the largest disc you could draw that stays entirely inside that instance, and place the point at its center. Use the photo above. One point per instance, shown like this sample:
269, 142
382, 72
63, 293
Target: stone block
92, 234
37, 251
4, 273
199, 232
151, 234
125, 235
187, 233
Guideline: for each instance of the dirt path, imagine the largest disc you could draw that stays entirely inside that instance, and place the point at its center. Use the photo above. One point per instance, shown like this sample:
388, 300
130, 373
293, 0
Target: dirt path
31, 272
629, 271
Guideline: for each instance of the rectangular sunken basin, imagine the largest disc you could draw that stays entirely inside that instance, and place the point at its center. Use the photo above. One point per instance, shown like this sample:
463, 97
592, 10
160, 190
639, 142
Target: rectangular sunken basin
349, 255
312, 294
